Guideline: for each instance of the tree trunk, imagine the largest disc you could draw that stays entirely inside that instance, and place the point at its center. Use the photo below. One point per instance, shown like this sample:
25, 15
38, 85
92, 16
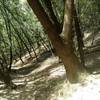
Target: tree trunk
52, 15
6, 78
79, 37
63, 49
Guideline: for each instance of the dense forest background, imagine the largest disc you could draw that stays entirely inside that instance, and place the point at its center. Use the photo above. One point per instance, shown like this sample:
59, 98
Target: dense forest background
23, 38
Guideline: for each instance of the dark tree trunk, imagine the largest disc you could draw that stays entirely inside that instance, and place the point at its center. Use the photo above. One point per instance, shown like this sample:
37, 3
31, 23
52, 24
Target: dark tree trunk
6, 78
64, 50
79, 36
52, 15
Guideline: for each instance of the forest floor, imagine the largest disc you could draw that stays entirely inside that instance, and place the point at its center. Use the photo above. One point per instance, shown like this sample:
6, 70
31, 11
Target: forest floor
46, 80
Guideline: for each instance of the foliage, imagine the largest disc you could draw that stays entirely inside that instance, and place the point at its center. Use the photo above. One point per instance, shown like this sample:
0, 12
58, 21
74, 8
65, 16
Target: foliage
88, 11
18, 28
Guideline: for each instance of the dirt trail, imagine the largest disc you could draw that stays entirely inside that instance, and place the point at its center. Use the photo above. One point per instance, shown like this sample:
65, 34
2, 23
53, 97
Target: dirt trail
47, 81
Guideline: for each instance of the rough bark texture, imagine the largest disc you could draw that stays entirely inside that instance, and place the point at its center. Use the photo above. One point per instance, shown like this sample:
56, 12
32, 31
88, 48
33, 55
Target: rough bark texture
64, 50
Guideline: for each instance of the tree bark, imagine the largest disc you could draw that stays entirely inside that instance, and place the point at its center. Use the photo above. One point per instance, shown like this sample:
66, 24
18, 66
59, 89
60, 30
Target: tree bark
79, 37
63, 49
52, 15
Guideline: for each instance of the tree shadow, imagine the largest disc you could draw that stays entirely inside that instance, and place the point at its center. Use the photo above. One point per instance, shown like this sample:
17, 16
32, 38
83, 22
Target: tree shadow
93, 62
41, 84
25, 70
28, 68
38, 86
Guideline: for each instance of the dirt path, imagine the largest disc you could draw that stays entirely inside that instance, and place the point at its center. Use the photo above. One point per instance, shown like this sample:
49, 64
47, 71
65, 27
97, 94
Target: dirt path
47, 81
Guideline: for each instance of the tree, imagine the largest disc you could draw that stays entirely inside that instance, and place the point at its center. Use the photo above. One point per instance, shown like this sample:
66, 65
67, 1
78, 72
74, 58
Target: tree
15, 38
63, 43
79, 36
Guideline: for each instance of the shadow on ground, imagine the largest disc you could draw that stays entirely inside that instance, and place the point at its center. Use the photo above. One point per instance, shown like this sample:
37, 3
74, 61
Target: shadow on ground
35, 81
39, 81
92, 60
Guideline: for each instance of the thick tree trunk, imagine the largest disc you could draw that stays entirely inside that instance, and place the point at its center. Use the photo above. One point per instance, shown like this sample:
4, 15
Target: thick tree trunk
63, 49
52, 15
79, 37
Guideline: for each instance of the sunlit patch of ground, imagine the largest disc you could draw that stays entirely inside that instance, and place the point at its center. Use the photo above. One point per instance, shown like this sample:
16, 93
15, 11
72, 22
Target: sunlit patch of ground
89, 90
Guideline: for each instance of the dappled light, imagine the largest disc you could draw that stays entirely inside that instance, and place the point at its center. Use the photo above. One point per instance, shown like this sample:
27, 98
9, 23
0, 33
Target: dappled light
49, 50
38, 83
47, 81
